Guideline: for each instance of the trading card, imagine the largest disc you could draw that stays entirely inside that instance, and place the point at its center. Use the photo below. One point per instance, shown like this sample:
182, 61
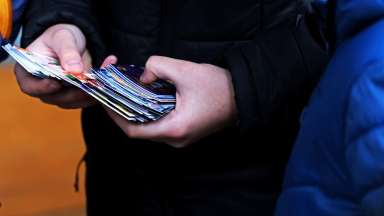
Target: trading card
116, 87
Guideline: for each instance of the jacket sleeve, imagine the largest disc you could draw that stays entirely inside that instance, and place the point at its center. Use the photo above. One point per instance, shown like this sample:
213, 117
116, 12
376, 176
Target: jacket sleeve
41, 14
364, 137
353, 16
274, 75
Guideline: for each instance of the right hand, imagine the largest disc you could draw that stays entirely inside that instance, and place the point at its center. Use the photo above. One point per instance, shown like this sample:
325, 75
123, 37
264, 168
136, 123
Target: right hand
67, 43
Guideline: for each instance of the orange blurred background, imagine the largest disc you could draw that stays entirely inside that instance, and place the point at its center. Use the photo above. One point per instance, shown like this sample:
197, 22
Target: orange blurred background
40, 146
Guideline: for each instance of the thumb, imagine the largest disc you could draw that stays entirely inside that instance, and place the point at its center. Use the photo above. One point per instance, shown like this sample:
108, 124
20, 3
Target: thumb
109, 60
158, 67
68, 51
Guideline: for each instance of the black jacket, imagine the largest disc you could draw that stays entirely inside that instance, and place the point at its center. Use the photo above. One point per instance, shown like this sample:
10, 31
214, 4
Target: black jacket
275, 64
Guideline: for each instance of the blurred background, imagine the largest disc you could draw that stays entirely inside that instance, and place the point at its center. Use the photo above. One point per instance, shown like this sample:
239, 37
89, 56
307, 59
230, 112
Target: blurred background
40, 146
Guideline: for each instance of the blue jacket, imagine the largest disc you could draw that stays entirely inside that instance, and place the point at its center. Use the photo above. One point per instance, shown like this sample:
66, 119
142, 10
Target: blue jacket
18, 8
337, 165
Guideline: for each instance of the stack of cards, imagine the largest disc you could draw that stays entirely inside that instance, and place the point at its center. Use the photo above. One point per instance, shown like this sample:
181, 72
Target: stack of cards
117, 87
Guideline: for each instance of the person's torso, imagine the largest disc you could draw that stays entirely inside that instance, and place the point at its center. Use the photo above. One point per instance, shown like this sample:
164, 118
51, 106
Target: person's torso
199, 31
194, 30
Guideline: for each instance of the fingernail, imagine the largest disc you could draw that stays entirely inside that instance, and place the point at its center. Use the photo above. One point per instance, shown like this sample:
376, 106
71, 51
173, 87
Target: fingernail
74, 66
143, 79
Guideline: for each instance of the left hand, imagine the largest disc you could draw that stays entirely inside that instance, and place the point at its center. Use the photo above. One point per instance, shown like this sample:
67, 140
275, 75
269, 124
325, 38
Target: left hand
68, 44
205, 102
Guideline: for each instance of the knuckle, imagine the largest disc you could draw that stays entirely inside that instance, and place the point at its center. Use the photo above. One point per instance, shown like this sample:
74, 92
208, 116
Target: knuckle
60, 33
129, 132
28, 89
178, 133
24, 89
186, 66
151, 61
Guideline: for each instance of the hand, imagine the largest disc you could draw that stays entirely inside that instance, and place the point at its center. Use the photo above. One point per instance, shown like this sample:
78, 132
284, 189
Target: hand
67, 43
205, 102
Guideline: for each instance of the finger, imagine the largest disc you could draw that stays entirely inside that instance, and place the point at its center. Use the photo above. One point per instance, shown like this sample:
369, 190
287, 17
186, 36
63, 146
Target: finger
65, 46
164, 68
41, 48
148, 77
87, 61
160, 130
33, 86
109, 60
70, 98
